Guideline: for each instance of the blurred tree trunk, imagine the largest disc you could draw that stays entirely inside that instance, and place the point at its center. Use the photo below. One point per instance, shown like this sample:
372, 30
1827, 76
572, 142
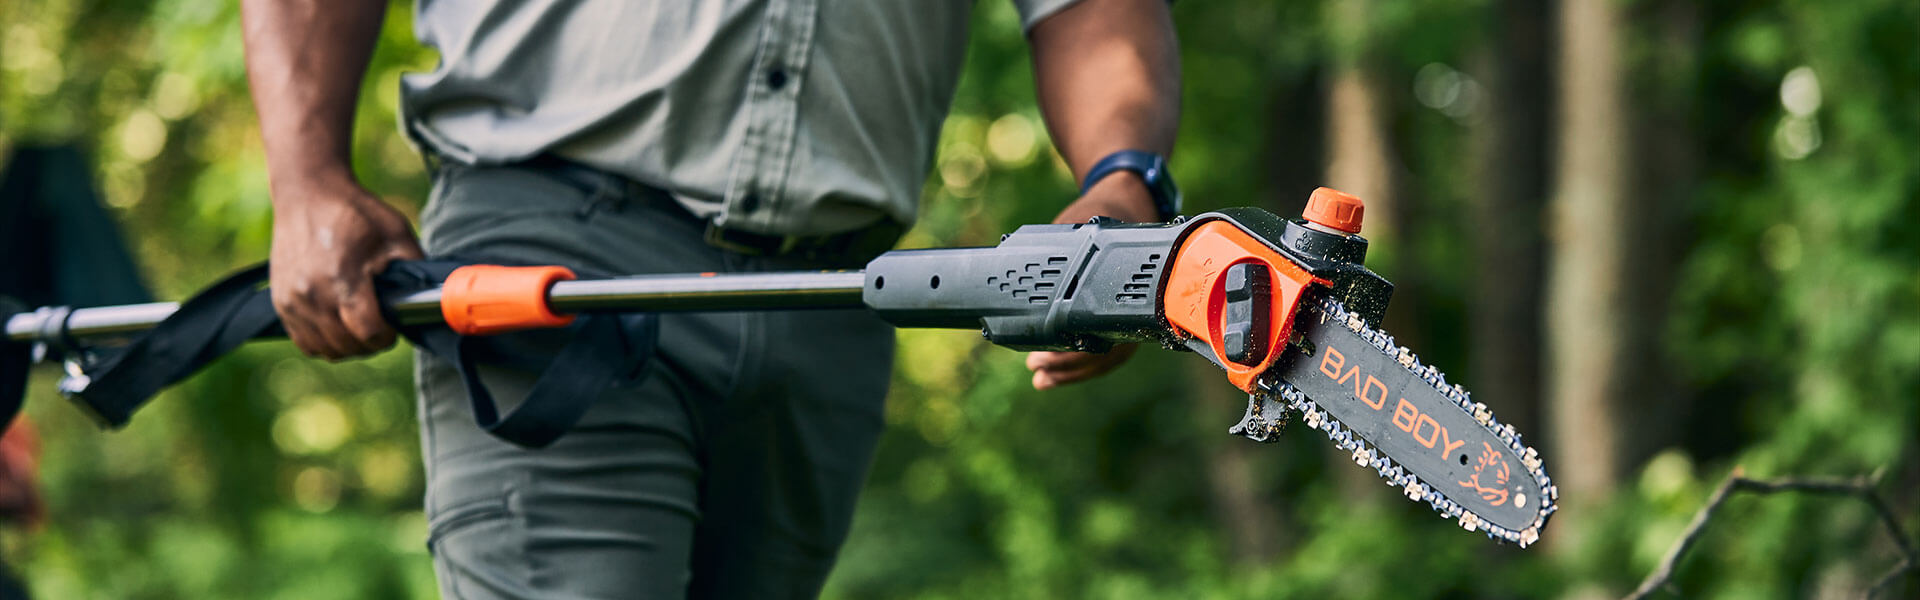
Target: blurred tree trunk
1588, 302
1358, 152
1252, 519
1360, 162
1249, 520
1665, 175
1510, 160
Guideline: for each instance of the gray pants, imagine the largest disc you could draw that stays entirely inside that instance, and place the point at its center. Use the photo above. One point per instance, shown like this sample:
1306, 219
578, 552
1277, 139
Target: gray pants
729, 472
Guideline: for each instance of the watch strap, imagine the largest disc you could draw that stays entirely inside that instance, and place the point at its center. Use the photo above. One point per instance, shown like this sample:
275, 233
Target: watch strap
1152, 169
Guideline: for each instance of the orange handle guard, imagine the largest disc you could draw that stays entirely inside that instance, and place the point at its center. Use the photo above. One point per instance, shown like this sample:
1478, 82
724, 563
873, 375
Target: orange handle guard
490, 299
1195, 298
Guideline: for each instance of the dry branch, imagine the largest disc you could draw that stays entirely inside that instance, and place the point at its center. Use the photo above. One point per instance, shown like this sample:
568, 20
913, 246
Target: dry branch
1864, 488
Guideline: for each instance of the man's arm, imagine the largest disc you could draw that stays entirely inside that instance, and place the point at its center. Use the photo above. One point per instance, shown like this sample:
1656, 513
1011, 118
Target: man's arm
1108, 75
305, 60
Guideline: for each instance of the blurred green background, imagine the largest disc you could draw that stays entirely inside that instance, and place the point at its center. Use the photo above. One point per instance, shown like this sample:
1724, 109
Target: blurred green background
1663, 238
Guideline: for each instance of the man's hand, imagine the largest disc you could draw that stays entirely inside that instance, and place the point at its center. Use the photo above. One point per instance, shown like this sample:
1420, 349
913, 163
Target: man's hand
1122, 196
1056, 368
330, 238
1108, 77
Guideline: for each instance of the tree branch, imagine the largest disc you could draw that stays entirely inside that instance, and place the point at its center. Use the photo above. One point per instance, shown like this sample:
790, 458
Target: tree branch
1863, 488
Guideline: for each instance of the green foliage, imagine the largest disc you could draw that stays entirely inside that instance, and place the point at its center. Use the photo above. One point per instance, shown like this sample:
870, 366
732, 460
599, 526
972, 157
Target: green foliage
1794, 322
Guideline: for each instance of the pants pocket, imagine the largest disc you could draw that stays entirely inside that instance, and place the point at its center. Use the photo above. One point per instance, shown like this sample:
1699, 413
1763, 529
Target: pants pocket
479, 550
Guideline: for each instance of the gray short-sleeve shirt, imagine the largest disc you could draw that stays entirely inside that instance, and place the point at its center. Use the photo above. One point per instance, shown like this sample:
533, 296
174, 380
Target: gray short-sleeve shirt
775, 116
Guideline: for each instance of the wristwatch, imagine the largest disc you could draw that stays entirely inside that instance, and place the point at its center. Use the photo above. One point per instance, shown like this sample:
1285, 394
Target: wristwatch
1152, 168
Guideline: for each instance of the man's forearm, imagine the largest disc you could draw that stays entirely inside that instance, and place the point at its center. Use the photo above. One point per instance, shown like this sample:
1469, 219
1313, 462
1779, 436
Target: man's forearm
305, 60
1108, 75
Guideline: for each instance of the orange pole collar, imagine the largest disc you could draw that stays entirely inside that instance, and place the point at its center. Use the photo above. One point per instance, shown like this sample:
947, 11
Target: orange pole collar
490, 299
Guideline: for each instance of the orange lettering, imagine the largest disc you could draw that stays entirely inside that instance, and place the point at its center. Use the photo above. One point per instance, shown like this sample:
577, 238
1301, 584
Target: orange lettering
1447, 444
1433, 433
1371, 384
1404, 415
1332, 358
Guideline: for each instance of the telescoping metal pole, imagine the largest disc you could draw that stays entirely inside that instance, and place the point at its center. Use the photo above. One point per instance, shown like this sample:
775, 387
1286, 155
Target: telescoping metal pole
712, 292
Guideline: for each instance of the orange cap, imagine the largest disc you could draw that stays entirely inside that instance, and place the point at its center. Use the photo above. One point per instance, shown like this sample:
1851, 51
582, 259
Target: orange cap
1336, 209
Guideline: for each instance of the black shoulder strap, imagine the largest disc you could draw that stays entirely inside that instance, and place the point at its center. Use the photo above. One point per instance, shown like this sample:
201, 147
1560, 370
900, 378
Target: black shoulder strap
606, 351
15, 359
218, 319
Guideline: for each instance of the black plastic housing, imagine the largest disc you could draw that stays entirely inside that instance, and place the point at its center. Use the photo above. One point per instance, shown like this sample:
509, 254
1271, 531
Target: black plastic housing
1338, 258
1045, 287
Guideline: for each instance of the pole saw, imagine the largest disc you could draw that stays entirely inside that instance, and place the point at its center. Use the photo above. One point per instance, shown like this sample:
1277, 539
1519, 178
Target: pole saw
1284, 306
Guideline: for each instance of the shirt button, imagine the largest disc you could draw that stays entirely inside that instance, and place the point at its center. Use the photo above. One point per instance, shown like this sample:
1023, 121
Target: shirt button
777, 78
749, 203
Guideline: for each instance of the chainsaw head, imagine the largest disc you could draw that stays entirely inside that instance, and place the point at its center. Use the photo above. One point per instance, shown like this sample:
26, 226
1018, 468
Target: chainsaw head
1288, 310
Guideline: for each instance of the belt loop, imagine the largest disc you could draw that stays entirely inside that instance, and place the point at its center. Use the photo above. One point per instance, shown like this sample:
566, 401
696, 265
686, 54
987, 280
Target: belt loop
604, 190
716, 236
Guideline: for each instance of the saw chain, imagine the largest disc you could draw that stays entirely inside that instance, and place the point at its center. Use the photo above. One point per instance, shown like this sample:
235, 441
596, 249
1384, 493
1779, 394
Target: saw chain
1284, 306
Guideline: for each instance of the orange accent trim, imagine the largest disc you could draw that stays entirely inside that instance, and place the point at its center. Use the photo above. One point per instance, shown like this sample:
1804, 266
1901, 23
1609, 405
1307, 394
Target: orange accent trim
1336, 209
490, 299
1195, 299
